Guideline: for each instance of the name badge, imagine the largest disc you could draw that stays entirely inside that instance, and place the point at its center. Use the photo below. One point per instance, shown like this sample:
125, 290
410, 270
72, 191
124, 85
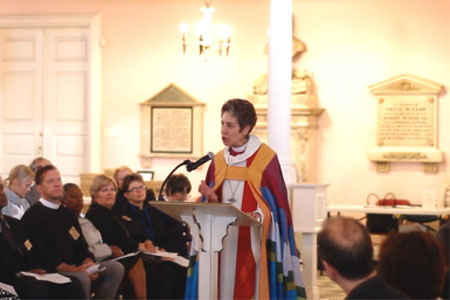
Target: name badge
126, 218
28, 245
74, 233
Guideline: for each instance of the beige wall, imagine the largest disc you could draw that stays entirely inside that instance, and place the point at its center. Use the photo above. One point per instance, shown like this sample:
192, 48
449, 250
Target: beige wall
356, 43
351, 44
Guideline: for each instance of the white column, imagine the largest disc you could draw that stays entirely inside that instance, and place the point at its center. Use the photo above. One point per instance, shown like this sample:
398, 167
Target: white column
280, 74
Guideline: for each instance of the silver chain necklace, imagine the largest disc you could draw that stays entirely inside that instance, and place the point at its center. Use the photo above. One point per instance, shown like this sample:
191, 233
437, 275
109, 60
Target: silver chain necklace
233, 192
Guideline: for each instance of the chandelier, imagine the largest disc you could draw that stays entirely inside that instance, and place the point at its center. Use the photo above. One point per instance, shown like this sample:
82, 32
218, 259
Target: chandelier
209, 39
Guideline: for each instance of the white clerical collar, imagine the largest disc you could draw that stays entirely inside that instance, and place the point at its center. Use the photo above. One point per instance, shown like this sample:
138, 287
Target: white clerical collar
240, 149
49, 204
249, 149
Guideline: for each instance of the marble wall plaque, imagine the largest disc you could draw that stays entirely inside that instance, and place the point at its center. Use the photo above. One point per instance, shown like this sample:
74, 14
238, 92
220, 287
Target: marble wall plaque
171, 126
171, 129
406, 121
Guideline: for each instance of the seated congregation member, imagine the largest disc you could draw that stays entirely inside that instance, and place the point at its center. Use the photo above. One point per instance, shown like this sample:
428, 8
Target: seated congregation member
119, 175
178, 188
164, 231
134, 267
18, 254
37, 163
55, 232
123, 231
346, 252
413, 263
20, 180
73, 200
443, 237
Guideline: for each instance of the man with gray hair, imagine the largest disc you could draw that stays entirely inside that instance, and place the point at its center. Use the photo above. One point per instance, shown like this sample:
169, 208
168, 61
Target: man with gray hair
33, 195
346, 252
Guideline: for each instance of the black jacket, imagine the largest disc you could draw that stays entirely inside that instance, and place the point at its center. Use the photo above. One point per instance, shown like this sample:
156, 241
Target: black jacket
15, 259
375, 288
114, 229
163, 230
57, 235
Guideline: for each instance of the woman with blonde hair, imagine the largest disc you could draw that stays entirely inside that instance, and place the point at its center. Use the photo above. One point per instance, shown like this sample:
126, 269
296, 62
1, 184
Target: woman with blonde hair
121, 230
103, 193
19, 183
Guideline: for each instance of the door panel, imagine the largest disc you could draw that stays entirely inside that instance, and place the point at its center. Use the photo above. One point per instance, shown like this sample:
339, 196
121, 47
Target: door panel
66, 77
21, 57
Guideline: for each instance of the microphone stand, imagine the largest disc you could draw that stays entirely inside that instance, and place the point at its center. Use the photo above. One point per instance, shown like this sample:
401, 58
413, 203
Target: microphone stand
160, 197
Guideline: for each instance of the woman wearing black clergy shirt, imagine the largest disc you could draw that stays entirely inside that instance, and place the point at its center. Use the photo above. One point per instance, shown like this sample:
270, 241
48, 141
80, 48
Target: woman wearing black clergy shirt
18, 254
119, 174
127, 234
163, 230
157, 226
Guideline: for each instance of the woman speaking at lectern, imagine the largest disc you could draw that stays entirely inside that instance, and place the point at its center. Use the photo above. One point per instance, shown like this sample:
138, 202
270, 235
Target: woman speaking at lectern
255, 263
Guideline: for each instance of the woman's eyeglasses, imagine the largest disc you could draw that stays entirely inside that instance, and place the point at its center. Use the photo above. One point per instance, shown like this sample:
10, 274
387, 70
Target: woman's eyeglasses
137, 188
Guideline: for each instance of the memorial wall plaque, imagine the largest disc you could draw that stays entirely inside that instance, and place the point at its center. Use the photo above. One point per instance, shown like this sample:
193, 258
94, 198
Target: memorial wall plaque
407, 122
171, 126
171, 130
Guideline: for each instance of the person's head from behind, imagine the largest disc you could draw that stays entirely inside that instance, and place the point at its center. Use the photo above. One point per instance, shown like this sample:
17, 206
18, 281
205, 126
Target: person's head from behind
178, 188
134, 189
238, 118
345, 248
20, 180
443, 238
413, 263
103, 191
73, 198
119, 175
3, 199
49, 184
38, 163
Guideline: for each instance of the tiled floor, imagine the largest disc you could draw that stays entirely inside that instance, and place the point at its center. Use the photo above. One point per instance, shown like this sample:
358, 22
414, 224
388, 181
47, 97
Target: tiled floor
328, 289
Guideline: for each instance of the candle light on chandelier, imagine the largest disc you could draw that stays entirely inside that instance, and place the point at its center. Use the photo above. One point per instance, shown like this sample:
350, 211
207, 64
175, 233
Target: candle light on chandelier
208, 41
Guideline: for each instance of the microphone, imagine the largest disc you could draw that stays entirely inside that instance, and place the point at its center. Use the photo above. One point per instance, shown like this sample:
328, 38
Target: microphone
194, 165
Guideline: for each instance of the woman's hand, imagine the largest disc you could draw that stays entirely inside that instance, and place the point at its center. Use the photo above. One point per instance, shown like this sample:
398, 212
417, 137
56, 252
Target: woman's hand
116, 251
86, 264
207, 192
256, 215
37, 271
149, 246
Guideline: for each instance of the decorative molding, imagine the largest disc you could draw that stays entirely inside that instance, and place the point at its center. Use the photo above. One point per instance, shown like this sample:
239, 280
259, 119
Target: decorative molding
383, 166
406, 84
404, 155
430, 167
303, 136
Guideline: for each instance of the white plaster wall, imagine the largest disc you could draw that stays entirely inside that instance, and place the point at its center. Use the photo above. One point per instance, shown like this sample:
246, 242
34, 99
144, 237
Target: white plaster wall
351, 44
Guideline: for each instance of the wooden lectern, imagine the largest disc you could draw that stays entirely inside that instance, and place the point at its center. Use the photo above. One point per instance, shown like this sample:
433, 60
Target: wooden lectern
208, 224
